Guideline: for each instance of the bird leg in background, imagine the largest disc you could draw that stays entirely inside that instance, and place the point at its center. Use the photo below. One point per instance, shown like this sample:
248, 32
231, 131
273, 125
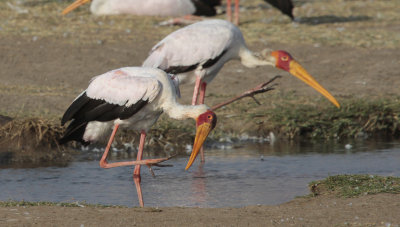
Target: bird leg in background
136, 173
196, 90
236, 19
202, 92
229, 12
201, 101
104, 164
185, 20
261, 88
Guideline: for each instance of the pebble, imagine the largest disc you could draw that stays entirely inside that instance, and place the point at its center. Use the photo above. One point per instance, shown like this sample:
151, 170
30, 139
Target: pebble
348, 146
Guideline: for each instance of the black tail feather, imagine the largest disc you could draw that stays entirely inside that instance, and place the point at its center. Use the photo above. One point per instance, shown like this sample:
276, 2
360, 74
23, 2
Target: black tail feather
285, 6
74, 132
206, 7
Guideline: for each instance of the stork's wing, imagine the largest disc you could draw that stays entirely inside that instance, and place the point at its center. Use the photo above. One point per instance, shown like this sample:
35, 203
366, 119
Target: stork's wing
285, 6
115, 94
193, 45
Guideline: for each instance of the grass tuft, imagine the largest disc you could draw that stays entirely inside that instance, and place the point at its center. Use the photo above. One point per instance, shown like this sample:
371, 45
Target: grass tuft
356, 118
348, 186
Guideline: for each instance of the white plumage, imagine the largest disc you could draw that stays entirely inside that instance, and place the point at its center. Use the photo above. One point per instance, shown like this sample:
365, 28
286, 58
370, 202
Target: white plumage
196, 53
143, 7
126, 87
197, 44
148, 7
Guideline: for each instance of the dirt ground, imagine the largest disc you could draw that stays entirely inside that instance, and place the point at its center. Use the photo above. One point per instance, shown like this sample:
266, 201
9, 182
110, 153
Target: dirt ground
371, 210
350, 47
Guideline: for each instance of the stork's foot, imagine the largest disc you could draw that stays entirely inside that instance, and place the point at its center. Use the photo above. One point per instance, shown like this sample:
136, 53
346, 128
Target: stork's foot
159, 165
185, 20
261, 88
148, 162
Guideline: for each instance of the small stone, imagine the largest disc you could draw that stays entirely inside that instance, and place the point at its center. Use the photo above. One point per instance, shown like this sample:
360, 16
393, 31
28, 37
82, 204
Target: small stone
348, 146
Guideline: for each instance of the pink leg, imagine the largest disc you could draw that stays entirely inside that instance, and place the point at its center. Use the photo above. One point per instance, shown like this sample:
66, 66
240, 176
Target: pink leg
104, 164
228, 10
138, 163
202, 92
136, 172
201, 101
196, 90
236, 22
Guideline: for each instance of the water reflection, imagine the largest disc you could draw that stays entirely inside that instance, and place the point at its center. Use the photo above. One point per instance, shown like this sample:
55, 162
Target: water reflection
249, 174
198, 185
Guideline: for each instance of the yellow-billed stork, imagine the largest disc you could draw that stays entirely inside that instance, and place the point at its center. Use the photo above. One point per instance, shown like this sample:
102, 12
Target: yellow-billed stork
197, 52
131, 97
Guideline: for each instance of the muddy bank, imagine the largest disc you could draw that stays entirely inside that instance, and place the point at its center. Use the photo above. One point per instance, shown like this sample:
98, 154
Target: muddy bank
327, 210
340, 200
31, 142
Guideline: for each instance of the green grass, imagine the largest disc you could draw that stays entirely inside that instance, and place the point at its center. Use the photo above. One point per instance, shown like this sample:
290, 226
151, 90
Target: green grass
348, 186
355, 118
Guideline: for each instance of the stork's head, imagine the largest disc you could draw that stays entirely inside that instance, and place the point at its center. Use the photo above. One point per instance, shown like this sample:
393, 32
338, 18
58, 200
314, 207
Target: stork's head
283, 60
205, 122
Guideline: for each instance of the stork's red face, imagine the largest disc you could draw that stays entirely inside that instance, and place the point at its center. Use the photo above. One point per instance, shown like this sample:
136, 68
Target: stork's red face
204, 124
285, 61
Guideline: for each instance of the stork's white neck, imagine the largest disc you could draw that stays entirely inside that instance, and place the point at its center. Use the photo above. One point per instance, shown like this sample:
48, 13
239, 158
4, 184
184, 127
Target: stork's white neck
251, 60
178, 111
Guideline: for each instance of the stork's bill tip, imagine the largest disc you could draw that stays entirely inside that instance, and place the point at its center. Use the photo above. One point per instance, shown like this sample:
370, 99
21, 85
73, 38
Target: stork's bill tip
201, 134
298, 71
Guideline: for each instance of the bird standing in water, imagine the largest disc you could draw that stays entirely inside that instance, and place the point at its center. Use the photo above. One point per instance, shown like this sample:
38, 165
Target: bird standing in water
131, 97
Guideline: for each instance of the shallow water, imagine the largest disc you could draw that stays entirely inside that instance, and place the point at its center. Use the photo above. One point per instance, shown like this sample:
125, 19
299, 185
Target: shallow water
246, 174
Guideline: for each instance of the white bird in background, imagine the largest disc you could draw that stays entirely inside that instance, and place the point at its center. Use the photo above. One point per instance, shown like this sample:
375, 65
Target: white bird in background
196, 53
149, 7
131, 97
285, 6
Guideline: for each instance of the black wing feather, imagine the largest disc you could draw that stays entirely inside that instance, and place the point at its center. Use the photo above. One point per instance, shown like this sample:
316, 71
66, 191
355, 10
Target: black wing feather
85, 109
205, 7
285, 6
74, 132
74, 107
184, 69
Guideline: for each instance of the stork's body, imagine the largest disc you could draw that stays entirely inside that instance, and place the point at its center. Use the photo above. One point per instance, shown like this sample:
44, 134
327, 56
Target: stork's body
196, 53
149, 7
130, 97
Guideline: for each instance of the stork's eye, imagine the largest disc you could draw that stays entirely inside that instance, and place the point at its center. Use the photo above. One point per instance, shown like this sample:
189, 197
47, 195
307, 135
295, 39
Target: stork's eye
284, 58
